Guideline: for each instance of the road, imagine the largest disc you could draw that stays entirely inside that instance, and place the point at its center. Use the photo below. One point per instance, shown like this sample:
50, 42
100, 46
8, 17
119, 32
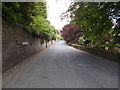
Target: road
62, 66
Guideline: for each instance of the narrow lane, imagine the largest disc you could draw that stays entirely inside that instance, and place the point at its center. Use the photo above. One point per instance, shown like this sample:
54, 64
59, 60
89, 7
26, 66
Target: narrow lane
62, 66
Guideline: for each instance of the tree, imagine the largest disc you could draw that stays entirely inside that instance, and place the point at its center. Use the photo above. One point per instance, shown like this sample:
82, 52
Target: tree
71, 33
32, 16
96, 20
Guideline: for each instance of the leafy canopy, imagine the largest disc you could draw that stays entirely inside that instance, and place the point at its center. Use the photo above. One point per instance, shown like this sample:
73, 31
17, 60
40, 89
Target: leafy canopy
100, 21
32, 16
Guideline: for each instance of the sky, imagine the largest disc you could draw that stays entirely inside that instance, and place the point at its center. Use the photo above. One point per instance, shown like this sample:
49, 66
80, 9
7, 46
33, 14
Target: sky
54, 9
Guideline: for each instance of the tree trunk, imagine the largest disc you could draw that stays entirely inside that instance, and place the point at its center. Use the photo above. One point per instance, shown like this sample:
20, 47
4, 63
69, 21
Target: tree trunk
46, 44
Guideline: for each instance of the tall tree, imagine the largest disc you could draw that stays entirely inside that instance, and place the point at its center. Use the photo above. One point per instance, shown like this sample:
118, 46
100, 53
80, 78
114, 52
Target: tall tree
32, 16
100, 21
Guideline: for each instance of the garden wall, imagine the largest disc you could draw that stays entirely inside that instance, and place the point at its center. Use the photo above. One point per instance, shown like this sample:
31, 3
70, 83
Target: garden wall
108, 54
17, 45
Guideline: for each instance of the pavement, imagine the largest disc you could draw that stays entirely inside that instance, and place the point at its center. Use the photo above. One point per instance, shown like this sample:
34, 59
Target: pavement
62, 66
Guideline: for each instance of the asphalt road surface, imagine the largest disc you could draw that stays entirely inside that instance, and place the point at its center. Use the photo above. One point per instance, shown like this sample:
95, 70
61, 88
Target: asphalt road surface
62, 66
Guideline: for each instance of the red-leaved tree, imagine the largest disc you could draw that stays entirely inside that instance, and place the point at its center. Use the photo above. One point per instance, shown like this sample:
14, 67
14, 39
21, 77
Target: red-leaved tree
71, 33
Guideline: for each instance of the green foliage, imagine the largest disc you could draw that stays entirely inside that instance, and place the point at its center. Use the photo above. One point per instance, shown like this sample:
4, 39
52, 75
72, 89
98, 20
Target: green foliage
81, 40
41, 27
32, 16
59, 37
95, 20
18, 12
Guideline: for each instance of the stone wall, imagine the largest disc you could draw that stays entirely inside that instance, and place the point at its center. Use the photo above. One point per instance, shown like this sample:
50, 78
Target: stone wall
17, 45
108, 54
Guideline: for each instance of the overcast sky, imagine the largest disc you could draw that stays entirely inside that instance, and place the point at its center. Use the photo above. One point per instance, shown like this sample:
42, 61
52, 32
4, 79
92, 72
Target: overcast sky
55, 9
